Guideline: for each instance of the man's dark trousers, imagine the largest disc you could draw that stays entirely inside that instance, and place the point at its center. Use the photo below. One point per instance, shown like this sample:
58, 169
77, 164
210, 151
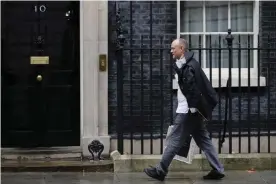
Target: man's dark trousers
186, 125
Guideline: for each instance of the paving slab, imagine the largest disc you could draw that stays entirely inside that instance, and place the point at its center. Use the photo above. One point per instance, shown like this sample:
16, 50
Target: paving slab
268, 176
232, 177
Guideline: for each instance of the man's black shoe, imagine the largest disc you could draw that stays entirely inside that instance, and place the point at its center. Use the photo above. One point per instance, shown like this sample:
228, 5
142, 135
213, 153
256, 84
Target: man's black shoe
214, 175
152, 172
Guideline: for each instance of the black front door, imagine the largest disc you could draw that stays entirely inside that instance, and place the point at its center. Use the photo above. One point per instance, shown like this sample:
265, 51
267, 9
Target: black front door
40, 67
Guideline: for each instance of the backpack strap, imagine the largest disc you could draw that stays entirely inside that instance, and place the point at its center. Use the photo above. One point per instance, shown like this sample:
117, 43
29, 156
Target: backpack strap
176, 69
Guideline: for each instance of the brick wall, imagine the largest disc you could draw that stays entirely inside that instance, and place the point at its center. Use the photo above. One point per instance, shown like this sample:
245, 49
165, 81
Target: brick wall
268, 31
164, 24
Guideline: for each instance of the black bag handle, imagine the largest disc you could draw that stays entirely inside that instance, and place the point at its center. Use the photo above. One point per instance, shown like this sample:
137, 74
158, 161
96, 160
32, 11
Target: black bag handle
226, 112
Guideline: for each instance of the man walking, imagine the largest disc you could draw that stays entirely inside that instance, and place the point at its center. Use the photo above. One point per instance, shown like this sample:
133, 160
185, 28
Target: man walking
196, 100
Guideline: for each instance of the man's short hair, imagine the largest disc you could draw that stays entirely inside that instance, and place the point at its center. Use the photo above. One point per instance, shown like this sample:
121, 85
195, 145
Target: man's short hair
184, 43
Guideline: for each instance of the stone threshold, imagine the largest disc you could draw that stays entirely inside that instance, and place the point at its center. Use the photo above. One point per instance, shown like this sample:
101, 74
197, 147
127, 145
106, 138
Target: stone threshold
54, 159
41, 153
57, 166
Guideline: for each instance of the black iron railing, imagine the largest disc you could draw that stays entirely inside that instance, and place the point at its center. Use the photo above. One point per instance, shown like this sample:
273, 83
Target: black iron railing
146, 100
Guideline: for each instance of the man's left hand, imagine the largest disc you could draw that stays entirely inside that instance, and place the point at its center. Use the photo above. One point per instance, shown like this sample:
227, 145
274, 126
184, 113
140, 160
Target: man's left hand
193, 110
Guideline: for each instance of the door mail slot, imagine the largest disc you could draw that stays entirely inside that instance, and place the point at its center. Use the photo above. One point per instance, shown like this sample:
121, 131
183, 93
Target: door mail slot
39, 60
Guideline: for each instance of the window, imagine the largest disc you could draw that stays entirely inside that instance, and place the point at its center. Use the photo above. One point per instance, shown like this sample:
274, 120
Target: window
205, 24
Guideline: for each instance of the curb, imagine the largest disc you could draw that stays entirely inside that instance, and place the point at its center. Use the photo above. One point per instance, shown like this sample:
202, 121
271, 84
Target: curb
253, 161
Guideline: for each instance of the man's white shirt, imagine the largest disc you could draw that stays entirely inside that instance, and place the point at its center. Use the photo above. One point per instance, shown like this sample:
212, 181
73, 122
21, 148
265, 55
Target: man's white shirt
182, 106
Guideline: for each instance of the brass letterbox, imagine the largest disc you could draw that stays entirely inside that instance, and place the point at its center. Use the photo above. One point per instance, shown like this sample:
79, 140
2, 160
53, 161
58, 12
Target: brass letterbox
39, 60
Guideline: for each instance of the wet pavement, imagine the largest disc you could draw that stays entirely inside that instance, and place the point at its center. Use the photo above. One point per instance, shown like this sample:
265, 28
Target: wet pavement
232, 177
